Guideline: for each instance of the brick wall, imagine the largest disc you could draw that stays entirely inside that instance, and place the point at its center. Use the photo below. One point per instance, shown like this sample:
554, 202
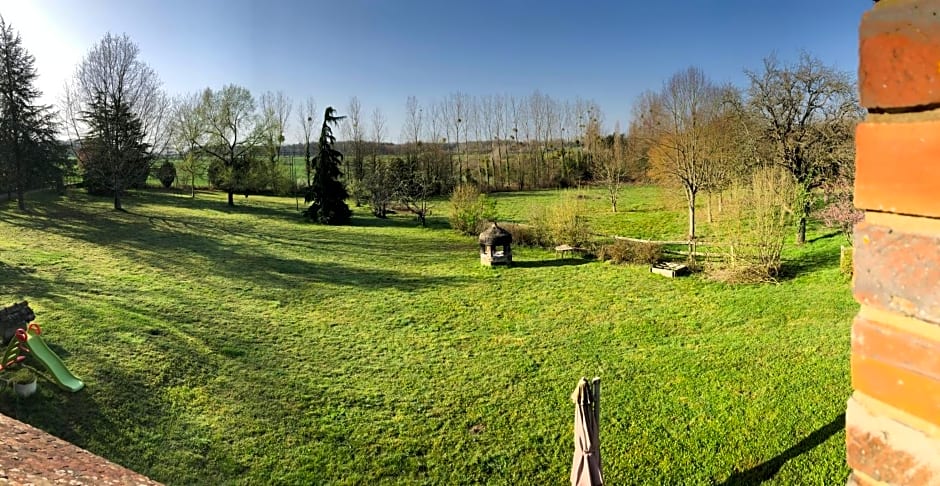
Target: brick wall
893, 417
31, 456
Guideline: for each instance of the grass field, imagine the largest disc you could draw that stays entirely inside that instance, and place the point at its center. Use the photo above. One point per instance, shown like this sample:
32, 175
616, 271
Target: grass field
245, 346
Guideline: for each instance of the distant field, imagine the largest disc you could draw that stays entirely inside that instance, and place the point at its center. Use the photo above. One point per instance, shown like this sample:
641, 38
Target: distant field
246, 346
642, 212
202, 182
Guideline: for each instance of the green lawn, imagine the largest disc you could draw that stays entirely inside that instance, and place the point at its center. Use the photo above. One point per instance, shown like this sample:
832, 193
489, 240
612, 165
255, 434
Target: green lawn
246, 346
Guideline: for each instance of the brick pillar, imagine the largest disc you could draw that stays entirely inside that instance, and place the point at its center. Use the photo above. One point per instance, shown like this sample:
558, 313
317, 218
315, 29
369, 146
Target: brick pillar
893, 417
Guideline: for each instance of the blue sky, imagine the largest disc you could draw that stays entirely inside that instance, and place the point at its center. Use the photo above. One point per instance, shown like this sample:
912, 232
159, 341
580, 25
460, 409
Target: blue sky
384, 51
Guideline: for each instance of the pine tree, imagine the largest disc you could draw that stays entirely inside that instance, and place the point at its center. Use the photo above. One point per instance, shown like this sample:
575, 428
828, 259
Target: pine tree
29, 153
327, 195
115, 154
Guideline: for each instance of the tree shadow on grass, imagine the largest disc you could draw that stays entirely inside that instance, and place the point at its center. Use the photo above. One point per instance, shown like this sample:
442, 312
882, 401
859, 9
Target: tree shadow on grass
20, 281
233, 251
826, 236
113, 416
812, 259
768, 469
133, 410
558, 262
399, 220
807, 264
242, 205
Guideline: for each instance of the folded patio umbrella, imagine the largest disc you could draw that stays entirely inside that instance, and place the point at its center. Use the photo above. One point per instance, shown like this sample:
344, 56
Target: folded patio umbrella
586, 464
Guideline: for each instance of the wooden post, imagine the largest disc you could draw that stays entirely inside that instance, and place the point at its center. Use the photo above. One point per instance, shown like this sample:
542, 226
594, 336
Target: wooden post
596, 393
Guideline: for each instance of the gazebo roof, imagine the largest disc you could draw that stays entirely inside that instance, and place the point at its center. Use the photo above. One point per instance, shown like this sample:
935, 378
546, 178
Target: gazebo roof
495, 236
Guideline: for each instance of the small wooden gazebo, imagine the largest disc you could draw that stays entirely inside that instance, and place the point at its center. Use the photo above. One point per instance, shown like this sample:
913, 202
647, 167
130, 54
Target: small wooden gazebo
490, 240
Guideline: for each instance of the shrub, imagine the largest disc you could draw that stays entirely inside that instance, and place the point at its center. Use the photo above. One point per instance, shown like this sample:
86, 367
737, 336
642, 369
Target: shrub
625, 251
166, 173
470, 209
846, 257
522, 234
563, 223
217, 174
21, 376
754, 225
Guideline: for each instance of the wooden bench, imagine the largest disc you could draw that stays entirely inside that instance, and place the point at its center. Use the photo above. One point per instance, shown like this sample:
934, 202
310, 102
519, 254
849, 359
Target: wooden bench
565, 250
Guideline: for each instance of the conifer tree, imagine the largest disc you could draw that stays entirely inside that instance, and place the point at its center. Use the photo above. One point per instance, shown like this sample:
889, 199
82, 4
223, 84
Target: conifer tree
115, 154
29, 153
326, 194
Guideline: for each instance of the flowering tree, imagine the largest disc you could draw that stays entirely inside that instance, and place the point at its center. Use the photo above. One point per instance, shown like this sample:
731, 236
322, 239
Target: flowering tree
841, 213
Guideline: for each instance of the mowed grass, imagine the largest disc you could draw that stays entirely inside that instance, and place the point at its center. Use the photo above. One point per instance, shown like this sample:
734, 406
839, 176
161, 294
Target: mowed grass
245, 346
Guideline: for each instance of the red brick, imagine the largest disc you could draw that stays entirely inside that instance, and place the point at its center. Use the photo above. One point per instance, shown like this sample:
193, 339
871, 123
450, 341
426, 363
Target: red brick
898, 54
896, 167
897, 348
861, 479
31, 456
897, 271
907, 390
888, 451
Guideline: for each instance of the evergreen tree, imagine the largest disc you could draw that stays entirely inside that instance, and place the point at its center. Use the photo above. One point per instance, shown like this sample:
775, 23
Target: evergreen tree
115, 154
29, 154
327, 195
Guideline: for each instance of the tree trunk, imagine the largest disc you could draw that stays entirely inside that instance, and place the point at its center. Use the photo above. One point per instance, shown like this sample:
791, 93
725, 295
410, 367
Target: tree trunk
801, 230
691, 197
708, 207
720, 202
307, 163
117, 201
20, 180
231, 198
20, 197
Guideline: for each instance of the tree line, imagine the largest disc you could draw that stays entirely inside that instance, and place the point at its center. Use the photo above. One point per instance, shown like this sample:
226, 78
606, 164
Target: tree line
691, 134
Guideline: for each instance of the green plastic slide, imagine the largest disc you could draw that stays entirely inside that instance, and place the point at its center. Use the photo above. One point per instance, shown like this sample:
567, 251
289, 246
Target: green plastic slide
40, 350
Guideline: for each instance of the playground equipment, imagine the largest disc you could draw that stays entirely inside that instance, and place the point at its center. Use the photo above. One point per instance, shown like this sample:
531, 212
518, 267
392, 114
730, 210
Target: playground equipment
53, 364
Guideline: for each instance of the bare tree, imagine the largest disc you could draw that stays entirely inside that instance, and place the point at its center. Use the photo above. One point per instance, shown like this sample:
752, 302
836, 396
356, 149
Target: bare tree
437, 137
537, 125
378, 182
112, 68
378, 133
609, 159
113, 79
275, 113
307, 113
676, 119
808, 112
412, 188
412, 130
492, 121
186, 127
354, 131
731, 149
456, 111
